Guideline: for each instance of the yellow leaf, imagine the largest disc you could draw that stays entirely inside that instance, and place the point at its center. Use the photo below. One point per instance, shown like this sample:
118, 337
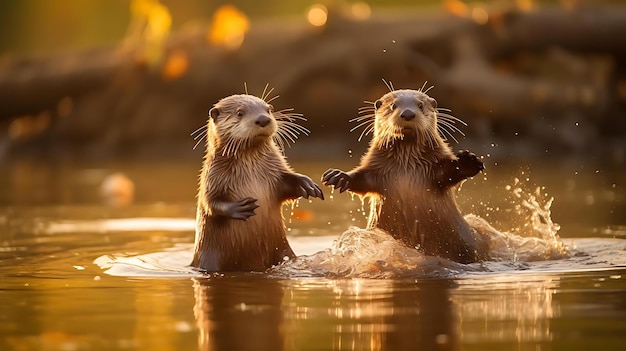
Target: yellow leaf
175, 66
228, 27
456, 7
159, 21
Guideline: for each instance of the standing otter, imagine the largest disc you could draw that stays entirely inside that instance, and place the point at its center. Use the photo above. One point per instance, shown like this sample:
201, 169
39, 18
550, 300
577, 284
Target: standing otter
412, 171
244, 170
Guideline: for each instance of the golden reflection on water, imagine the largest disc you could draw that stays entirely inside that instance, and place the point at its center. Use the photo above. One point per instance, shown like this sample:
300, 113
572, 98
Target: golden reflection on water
507, 308
360, 314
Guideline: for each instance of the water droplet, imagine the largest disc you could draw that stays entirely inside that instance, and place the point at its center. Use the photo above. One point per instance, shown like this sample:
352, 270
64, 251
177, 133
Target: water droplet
384, 51
393, 41
96, 278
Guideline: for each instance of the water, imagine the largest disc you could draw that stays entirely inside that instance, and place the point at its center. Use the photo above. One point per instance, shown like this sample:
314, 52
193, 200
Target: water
78, 274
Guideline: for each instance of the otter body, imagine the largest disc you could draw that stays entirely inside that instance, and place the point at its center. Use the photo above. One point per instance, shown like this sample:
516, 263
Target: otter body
245, 179
414, 172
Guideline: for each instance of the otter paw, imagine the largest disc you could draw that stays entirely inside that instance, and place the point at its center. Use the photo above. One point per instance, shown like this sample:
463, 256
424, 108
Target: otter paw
306, 187
337, 178
242, 209
469, 163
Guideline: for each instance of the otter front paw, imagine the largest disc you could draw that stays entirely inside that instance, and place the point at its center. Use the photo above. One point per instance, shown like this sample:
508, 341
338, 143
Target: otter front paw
242, 209
337, 178
469, 164
306, 187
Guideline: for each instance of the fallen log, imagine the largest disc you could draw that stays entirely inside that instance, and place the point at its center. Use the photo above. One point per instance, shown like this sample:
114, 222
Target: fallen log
118, 100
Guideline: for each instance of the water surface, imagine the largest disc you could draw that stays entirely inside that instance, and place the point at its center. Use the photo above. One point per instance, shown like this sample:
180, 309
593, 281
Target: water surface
57, 233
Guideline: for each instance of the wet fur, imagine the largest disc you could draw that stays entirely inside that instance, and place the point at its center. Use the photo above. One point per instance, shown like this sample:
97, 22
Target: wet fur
413, 173
234, 232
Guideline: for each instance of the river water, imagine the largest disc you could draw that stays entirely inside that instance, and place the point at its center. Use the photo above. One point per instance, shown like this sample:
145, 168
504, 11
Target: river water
79, 273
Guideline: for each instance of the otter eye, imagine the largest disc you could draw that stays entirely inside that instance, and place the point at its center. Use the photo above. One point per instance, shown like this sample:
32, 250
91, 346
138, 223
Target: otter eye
420, 105
270, 108
392, 107
240, 113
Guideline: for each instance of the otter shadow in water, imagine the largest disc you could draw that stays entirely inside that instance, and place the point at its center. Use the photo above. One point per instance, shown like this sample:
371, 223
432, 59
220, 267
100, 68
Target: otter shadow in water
239, 314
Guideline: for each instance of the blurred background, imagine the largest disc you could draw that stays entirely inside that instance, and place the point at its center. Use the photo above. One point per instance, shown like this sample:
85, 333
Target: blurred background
100, 97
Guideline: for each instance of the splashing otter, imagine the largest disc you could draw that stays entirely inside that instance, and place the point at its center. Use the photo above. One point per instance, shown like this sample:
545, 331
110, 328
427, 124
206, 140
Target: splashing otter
410, 172
244, 181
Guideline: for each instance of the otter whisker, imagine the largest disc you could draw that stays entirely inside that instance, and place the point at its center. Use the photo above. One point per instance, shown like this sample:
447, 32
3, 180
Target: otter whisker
388, 84
291, 129
201, 135
279, 139
371, 112
288, 134
272, 99
200, 129
198, 142
450, 134
263, 96
295, 127
366, 131
245, 87
449, 116
421, 90
284, 115
226, 146
440, 130
444, 109
428, 89
451, 126
362, 118
361, 125
289, 137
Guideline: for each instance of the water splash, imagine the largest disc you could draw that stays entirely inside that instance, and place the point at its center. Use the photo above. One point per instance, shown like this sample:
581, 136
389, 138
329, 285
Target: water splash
533, 236
373, 253
368, 253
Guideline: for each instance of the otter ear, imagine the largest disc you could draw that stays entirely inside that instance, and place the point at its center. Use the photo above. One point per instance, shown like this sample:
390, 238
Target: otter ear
377, 104
432, 102
213, 113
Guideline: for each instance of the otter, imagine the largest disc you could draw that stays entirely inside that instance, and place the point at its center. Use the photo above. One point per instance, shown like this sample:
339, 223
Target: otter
244, 181
411, 169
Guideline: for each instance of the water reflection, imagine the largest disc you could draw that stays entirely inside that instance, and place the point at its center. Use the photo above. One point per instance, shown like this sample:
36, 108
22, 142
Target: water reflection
373, 315
357, 314
506, 309
233, 314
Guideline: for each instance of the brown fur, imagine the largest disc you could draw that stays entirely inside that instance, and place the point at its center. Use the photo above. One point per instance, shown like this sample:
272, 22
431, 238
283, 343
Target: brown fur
410, 172
244, 181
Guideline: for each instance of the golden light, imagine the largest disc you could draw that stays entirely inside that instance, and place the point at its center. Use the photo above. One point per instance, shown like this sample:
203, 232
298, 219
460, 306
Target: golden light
525, 5
361, 10
228, 27
317, 15
480, 15
175, 66
456, 7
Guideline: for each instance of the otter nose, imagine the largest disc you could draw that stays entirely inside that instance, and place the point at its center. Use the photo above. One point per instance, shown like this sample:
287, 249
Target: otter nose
262, 121
407, 115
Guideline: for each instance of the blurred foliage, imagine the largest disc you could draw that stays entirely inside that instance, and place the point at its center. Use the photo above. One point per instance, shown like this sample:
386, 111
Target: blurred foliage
28, 26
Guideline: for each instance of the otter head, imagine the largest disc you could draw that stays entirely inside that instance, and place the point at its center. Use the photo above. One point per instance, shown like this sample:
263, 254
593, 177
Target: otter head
405, 114
242, 121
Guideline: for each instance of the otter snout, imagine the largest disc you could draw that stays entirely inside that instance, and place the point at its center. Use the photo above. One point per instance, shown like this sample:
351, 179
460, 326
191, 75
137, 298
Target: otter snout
407, 115
262, 121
